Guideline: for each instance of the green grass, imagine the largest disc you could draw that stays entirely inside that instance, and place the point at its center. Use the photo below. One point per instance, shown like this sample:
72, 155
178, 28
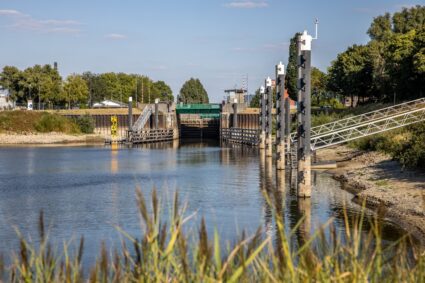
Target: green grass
382, 183
166, 253
42, 122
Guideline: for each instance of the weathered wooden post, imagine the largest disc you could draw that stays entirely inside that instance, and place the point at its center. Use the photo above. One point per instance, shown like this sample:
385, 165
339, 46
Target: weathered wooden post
280, 111
263, 118
269, 107
304, 115
156, 113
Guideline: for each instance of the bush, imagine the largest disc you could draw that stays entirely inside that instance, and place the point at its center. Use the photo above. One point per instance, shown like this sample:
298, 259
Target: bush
56, 123
406, 145
85, 123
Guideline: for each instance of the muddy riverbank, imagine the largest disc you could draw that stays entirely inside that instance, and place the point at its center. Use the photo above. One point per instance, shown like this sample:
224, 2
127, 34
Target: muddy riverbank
395, 192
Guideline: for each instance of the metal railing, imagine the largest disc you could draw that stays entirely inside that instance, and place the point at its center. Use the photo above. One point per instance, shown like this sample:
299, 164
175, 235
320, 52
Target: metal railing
143, 119
363, 130
154, 135
242, 136
365, 118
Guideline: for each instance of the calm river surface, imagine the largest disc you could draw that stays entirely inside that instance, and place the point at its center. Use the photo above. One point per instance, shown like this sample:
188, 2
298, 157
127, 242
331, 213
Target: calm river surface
88, 190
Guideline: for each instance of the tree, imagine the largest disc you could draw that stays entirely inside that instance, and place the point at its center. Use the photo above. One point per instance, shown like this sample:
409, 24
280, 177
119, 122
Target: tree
380, 29
163, 90
351, 74
255, 101
75, 89
10, 79
318, 85
292, 69
409, 19
193, 91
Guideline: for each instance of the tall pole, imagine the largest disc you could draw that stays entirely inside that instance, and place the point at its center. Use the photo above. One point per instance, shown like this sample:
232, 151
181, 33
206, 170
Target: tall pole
263, 117
130, 113
280, 109
142, 89
156, 113
137, 88
287, 125
304, 115
235, 113
269, 107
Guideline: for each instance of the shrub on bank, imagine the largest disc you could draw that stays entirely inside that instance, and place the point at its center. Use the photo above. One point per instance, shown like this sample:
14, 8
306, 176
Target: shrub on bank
56, 123
85, 123
406, 145
20, 122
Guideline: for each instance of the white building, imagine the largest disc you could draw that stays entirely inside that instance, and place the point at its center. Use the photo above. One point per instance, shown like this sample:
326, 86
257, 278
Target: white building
109, 104
5, 102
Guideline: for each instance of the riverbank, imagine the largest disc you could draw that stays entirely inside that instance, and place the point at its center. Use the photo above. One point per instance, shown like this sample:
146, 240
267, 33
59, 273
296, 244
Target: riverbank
396, 193
49, 138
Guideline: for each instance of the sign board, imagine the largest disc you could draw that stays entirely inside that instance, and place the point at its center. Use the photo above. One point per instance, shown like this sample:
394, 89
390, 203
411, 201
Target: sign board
29, 105
114, 127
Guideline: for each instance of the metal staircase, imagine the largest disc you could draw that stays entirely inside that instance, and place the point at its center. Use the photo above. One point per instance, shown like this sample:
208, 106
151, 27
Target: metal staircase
143, 119
365, 119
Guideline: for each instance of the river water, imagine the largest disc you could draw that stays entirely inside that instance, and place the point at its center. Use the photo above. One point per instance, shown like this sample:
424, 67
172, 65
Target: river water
88, 190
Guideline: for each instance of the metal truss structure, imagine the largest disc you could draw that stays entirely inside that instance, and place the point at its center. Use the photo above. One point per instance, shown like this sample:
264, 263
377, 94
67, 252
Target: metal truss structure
366, 129
364, 119
143, 119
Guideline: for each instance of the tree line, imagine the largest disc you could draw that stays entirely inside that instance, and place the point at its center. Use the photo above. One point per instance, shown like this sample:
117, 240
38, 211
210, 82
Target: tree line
45, 86
390, 67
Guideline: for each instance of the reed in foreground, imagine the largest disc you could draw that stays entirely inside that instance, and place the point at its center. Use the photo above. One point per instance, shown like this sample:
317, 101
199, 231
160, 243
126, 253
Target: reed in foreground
167, 253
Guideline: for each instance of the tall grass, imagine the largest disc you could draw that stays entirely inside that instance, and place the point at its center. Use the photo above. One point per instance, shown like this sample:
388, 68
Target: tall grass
166, 253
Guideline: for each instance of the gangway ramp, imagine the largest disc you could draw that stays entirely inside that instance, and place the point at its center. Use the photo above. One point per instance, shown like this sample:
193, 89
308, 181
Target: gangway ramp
365, 119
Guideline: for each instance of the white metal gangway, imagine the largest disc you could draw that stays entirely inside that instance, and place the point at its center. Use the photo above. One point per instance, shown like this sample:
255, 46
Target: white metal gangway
143, 119
364, 125
366, 129
364, 119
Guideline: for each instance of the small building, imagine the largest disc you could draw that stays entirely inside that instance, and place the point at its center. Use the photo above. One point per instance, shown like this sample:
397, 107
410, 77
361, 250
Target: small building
6, 103
238, 94
109, 104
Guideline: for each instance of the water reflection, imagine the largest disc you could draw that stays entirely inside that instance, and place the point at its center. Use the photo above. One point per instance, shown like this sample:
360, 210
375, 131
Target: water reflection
88, 190
114, 159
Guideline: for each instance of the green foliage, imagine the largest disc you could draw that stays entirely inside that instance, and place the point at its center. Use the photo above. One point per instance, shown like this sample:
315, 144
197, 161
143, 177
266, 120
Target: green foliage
40, 83
193, 91
409, 19
380, 29
255, 101
405, 145
324, 118
86, 124
44, 84
291, 69
55, 123
120, 86
170, 252
75, 89
162, 90
390, 66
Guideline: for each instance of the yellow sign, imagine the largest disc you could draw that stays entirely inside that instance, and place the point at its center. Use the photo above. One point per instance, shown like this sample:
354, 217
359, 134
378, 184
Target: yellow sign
114, 127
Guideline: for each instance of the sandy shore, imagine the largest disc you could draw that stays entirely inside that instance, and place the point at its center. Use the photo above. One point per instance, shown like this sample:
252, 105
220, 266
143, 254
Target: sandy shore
48, 138
397, 193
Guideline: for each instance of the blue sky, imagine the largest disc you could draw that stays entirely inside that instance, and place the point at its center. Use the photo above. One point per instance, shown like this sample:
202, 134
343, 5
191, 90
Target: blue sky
218, 41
